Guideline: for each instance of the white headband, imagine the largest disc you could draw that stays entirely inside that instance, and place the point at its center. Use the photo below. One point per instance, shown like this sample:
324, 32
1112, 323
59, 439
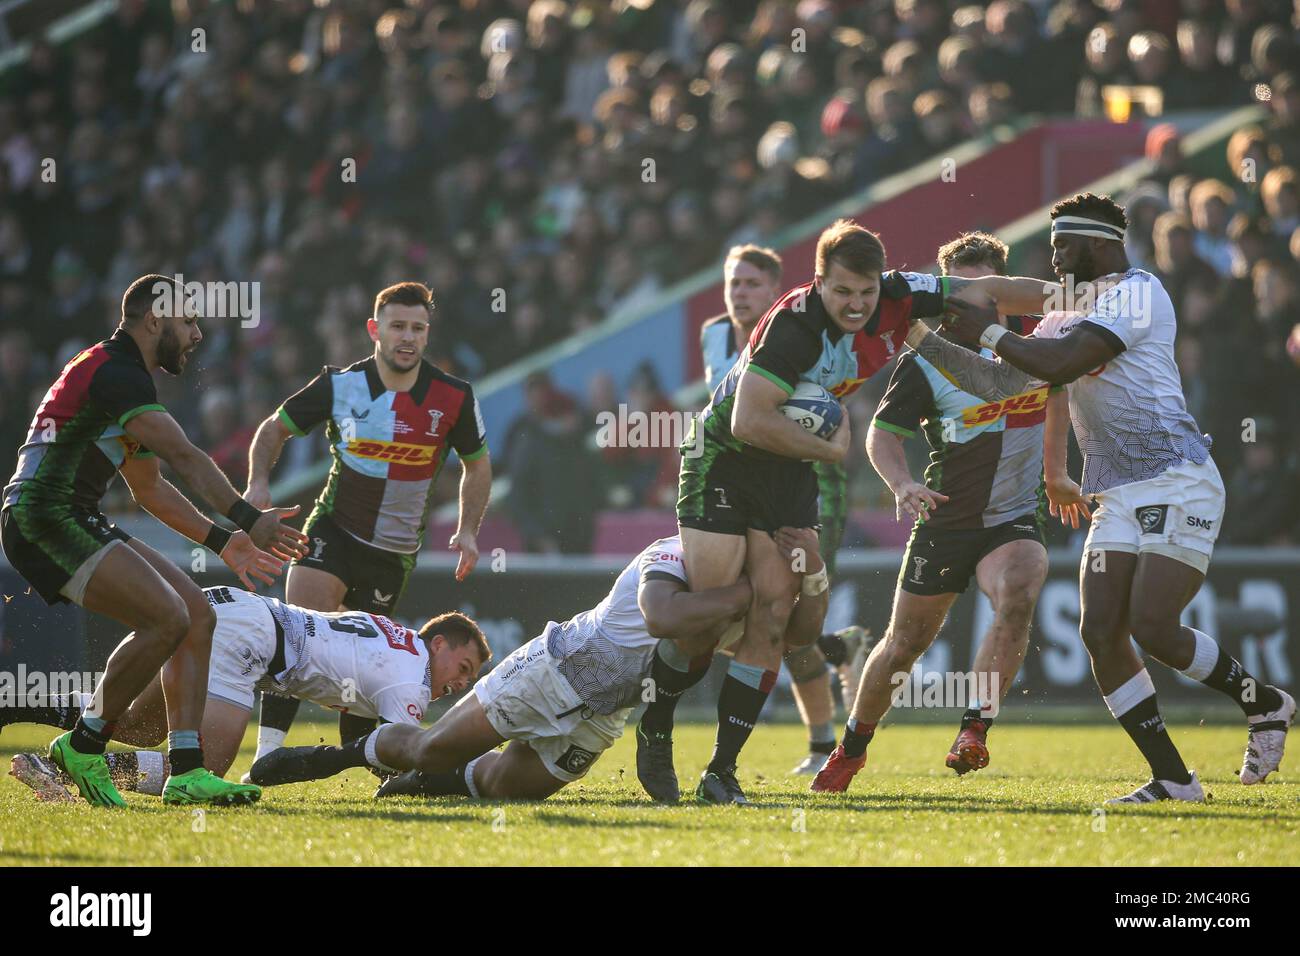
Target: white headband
1083, 226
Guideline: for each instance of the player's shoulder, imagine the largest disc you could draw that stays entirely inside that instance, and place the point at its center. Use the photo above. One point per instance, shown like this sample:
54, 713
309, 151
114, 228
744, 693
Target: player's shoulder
719, 323
432, 373
665, 555
800, 309
900, 284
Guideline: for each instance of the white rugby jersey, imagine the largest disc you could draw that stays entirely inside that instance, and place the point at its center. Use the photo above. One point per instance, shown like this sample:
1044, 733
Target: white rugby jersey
1129, 416
362, 663
606, 652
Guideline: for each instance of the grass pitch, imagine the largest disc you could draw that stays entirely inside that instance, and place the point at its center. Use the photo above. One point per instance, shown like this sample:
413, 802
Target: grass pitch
1036, 804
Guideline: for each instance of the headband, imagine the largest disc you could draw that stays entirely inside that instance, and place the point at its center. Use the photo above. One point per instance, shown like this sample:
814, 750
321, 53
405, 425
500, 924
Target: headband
1083, 226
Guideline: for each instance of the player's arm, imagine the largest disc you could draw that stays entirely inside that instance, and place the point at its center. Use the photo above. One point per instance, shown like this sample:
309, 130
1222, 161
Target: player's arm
673, 612
801, 548
1064, 496
159, 497
1012, 295
991, 381
161, 434
469, 437
886, 454
263, 453
756, 418
908, 400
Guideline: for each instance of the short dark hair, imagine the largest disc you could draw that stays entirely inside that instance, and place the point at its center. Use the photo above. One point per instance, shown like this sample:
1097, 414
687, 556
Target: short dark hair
1092, 206
974, 249
140, 296
760, 257
405, 293
459, 629
854, 247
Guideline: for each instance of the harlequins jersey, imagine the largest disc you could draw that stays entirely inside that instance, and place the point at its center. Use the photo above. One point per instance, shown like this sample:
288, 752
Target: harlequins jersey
388, 447
798, 341
77, 440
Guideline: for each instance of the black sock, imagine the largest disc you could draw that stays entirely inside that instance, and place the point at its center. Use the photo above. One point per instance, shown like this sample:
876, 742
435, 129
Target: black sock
856, 737
184, 759
738, 708
87, 741
1230, 678
1143, 723
278, 712
669, 685
62, 714
352, 726
974, 713
822, 746
833, 649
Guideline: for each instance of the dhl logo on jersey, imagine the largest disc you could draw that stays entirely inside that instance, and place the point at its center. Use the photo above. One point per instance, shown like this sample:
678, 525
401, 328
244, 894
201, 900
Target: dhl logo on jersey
397, 452
987, 414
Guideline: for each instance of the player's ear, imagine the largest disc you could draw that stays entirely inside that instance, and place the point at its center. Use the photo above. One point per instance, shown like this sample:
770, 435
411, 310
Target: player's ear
373, 328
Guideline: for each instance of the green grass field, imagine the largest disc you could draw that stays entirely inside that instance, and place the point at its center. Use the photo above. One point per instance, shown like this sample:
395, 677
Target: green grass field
1034, 805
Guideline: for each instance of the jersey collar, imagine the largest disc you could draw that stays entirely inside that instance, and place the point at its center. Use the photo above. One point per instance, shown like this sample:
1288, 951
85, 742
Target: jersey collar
128, 345
418, 391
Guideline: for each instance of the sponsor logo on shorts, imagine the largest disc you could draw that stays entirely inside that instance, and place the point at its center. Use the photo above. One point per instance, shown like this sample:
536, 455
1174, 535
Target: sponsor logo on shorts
1204, 524
318, 545
1024, 527
918, 565
504, 715
382, 598
722, 498
1152, 518
575, 760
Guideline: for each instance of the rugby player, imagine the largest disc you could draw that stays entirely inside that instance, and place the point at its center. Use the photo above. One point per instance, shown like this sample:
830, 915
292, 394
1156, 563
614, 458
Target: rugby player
755, 474
391, 420
978, 513
1159, 499
751, 284
363, 663
102, 416
560, 700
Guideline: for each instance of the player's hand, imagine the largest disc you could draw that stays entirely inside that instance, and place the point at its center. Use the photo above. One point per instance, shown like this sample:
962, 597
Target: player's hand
840, 438
1066, 500
258, 495
968, 320
272, 534
248, 561
916, 500
800, 545
467, 544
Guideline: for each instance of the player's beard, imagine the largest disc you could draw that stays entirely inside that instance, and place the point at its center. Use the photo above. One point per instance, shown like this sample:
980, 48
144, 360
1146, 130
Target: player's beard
392, 360
1085, 268
169, 351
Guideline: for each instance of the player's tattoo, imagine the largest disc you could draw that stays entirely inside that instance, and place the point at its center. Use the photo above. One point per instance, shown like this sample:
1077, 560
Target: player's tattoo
991, 381
956, 284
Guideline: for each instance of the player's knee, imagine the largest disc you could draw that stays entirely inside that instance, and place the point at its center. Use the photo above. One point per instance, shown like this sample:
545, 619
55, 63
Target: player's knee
905, 642
1154, 630
1100, 634
1013, 602
805, 663
170, 621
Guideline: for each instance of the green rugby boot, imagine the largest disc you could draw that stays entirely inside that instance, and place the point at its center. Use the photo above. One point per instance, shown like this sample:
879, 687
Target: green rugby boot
201, 785
88, 771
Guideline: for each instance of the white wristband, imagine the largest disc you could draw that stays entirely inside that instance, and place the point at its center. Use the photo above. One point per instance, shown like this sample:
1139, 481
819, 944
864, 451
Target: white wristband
814, 584
989, 337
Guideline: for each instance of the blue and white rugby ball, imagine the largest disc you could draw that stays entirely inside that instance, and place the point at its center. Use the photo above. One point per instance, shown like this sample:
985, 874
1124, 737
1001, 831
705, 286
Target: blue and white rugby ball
814, 408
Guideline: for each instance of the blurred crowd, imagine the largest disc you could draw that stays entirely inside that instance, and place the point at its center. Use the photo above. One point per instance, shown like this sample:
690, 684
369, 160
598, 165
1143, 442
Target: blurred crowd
547, 164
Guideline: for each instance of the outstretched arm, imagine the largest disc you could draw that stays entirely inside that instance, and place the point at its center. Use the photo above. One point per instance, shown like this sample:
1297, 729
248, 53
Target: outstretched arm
991, 381
263, 453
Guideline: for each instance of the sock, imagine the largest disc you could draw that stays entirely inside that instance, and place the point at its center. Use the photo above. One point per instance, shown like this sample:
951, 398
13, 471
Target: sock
673, 674
1217, 669
268, 739
184, 751
1133, 704
352, 726
744, 692
975, 713
61, 711
857, 735
144, 771
821, 738
368, 744
833, 649
90, 735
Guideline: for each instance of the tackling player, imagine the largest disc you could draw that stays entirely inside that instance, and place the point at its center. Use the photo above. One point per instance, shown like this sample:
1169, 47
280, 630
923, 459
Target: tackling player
391, 420
362, 663
751, 284
755, 473
1159, 498
979, 512
562, 699
102, 416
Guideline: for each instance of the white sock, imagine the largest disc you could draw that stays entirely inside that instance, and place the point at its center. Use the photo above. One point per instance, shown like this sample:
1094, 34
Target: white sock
1204, 658
1130, 693
153, 771
469, 777
268, 739
372, 757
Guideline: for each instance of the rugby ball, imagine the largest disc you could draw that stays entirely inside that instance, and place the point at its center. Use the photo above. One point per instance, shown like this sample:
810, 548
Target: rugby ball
814, 408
